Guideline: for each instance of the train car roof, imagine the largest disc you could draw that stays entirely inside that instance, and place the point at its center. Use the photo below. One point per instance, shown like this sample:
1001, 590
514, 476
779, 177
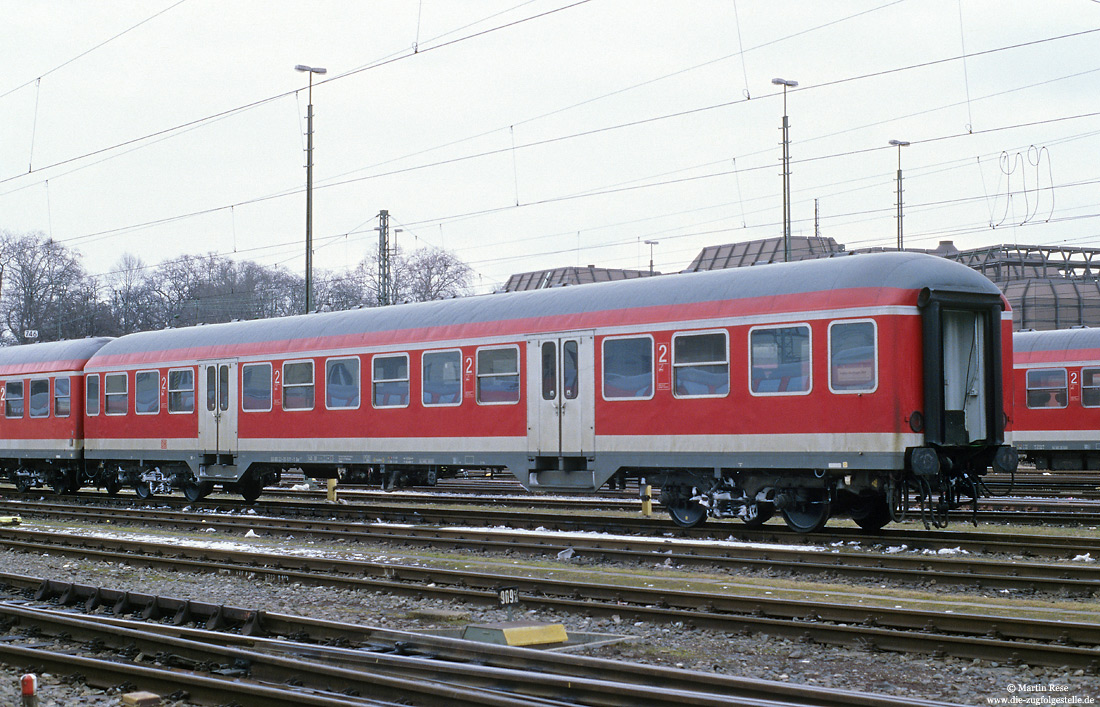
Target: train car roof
1056, 344
49, 356
859, 280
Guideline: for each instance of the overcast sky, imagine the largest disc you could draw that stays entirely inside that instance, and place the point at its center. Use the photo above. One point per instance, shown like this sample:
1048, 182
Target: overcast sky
168, 127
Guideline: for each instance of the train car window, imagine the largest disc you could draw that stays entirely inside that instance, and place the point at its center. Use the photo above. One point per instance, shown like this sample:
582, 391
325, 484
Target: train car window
569, 376
116, 394
442, 378
298, 385
223, 387
256, 387
147, 392
13, 399
211, 388
780, 360
181, 391
342, 383
40, 398
853, 357
91, 395
62, 401
549, 370
1047, 388
700, 365
498, 376
1090, 387
628, 368
390, 381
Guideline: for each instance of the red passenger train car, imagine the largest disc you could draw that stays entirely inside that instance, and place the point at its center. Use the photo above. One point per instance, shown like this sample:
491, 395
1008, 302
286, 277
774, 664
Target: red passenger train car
1057, 398
812, 389
42, 425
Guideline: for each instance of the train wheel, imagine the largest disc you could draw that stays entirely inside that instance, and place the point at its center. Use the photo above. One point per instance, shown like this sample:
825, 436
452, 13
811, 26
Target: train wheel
871, 514
757, 514
808, 515
687, 514
62, 486
143, 491
112, 486
251, 490
194, 491
22, 485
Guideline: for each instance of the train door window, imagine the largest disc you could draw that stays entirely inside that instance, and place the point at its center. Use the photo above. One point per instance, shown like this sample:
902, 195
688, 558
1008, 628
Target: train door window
256, 387
298, 385
62, 401
91, 395
549, 370
853, 357
569, 371
147, 392
700, 365
628, 368
223, 386
442, 378
498, 376
116, 394
13, 399
342, 383
390, 381
181, 391
211, 388
1047, 388
780, 360
1090, 387
40, 398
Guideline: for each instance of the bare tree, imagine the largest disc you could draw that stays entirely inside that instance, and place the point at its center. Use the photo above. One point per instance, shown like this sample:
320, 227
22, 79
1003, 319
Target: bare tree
433, 273
134, 305
43, 280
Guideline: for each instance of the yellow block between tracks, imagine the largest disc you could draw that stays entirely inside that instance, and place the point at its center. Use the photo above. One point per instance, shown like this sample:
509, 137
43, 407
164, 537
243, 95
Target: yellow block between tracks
10, 520
516, 633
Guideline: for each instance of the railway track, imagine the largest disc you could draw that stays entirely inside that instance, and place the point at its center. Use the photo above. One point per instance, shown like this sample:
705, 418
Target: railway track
1008, 510
250, 646
454, 525
997, 638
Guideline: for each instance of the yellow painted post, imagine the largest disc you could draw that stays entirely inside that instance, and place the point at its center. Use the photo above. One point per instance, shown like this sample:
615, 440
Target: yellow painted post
647, 500
332, 490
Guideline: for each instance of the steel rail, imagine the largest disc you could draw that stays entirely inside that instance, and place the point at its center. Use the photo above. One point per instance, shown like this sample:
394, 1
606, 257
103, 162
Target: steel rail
953, 571
660, 605
248, 625
298, 677
1031, 545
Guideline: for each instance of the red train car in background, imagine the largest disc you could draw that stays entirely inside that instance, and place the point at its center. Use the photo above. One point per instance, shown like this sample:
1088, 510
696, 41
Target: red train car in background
1057, 398
42, 425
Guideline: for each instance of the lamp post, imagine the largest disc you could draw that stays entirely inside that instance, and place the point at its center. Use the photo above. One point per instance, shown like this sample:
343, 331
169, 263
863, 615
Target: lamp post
899, 144
785, 83
651, 244
311, 70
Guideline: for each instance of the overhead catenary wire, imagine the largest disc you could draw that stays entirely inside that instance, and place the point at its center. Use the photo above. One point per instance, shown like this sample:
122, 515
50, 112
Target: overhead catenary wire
440, 223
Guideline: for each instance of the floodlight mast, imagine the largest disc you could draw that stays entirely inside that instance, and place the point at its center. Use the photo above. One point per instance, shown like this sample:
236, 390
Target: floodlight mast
311, 70
899, 144
786, 83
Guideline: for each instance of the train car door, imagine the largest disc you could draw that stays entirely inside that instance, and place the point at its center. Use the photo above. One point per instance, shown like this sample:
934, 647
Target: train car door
964, 375
561, 400
218, 414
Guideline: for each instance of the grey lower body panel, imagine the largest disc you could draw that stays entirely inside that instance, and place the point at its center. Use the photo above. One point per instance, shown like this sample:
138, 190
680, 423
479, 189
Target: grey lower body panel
60, 454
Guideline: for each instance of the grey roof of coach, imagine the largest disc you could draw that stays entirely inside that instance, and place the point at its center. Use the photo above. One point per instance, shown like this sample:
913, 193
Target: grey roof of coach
1056, 340
879, 270
47, 352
